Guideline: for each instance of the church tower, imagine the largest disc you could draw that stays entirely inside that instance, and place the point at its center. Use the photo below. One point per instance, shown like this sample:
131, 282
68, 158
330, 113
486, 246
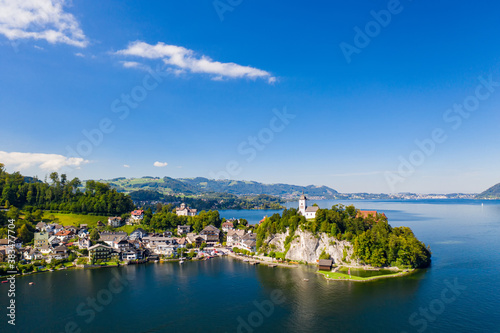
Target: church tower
302, 204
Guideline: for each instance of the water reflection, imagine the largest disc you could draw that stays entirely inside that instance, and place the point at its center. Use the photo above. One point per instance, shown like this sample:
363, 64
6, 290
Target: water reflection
318, 303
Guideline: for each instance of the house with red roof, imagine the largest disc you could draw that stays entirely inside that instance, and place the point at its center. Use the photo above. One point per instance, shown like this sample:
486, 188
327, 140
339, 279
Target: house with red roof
137, 215
365, 214
64, 235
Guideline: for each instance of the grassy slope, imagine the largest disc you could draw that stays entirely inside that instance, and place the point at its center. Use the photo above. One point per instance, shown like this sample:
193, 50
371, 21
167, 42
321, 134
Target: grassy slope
76, 219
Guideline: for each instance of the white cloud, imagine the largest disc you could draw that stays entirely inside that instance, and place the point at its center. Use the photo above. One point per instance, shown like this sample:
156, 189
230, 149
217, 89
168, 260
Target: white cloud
126, 166
81, 55
135, 64
40, 20
38, 47
47, 162
185, 59
160, 164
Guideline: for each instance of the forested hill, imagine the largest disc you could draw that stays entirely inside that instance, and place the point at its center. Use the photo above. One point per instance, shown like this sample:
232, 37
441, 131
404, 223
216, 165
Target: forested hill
201, 185
491, 193
61, 194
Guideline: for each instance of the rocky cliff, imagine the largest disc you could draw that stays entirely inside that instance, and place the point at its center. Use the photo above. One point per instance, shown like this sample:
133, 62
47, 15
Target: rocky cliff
307, 247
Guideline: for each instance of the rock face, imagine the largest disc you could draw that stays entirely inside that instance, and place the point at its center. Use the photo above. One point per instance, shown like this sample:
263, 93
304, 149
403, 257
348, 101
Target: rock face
307, 247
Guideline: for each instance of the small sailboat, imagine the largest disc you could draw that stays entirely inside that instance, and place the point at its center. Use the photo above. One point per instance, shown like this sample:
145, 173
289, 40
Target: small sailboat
31, 283
306, 280
181, 261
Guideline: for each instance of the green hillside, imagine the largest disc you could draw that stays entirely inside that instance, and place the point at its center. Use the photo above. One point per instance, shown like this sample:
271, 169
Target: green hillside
200, 185
491, 193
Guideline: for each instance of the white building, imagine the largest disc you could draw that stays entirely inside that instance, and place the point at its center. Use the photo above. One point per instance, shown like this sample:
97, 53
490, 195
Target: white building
115, 221
185, 211
137, 216
307, 212
183, 229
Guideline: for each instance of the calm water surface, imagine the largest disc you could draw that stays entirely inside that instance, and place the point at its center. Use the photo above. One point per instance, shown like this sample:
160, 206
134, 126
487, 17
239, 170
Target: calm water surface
253, 216
224, 295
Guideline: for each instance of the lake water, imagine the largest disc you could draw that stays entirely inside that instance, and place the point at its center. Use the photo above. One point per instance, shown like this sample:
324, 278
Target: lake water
253, 216
460, 292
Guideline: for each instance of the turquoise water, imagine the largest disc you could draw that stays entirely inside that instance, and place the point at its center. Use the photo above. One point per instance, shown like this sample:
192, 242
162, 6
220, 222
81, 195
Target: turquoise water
458, 293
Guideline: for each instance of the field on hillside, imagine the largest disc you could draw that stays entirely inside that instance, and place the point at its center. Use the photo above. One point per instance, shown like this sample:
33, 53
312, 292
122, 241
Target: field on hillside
76, 219
91, 221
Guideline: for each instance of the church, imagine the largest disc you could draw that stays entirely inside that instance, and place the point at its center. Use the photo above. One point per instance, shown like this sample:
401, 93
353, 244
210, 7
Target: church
307, 212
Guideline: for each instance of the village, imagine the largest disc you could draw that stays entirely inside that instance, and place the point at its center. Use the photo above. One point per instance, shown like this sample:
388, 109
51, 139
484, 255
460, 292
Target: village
58, 247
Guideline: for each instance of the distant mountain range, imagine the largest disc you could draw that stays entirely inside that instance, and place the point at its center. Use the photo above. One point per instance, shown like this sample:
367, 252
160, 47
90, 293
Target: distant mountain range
491, 193
200, 185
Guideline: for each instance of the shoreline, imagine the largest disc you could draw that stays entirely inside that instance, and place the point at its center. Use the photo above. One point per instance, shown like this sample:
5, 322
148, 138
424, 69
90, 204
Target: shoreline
253, 261
83, 267
345, 277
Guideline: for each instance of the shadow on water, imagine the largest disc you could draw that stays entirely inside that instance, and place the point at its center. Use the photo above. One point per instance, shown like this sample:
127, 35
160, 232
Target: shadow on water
318, 304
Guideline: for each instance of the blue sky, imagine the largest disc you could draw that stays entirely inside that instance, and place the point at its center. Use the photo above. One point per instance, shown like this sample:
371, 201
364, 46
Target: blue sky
352, 121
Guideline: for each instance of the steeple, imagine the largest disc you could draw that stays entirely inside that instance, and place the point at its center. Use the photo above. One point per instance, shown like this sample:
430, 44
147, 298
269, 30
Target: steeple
302, 203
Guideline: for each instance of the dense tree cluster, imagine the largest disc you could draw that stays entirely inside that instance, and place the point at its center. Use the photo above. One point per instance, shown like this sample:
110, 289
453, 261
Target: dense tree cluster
209, 201
375, 242
166, 219
61, 195
383, 245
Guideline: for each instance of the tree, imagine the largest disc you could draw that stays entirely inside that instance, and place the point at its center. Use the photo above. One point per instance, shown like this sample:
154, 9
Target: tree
54, 176
94, 235
14, 213
38, 215
3, 218
71, 257
64, 179
25, 234
324, 255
